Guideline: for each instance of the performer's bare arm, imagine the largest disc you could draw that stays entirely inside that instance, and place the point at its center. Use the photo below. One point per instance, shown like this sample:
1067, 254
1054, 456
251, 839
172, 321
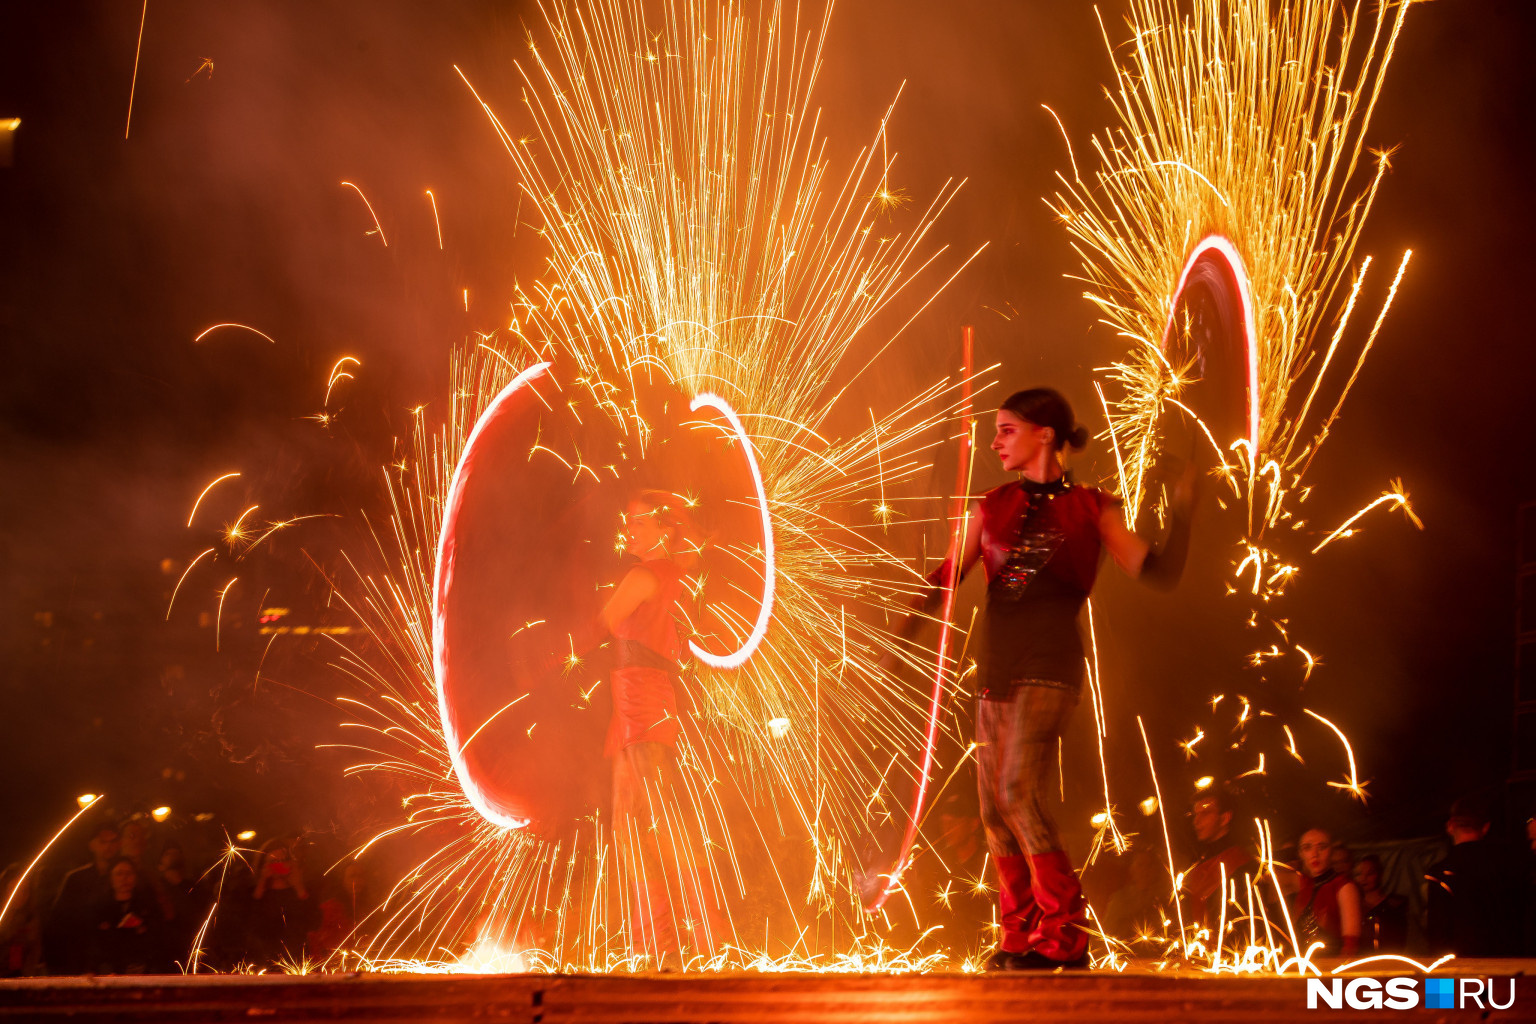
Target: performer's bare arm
926, 603
1128, 550
637, 587
1157, 567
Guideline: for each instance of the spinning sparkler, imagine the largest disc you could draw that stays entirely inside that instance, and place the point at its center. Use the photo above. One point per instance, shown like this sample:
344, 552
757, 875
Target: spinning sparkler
1217, 235
696, 253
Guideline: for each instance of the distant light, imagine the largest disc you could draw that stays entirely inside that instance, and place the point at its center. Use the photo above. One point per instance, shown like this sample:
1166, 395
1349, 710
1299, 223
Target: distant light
160, 813
1204, 782
205, 816
86, 799
8, 126
778, 726
1100, 819
247, 835
1149, 806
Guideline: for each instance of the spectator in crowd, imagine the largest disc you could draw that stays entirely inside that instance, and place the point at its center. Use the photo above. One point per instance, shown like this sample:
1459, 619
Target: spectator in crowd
1211, 817
1341, 860
129, 928
1326, 906
68, 930
136, 835
133, 840
21, 931
1475, 893
179, 891
1383, 915
282, 910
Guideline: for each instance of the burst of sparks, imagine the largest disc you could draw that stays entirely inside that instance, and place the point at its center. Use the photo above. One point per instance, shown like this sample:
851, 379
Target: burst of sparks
1241, 127
633, 208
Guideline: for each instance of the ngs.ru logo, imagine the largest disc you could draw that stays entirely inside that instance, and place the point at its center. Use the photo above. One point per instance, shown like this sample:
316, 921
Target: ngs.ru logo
1409, 993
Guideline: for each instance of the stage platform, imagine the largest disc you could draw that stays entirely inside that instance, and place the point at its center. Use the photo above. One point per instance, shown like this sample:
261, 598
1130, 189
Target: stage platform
1123, 998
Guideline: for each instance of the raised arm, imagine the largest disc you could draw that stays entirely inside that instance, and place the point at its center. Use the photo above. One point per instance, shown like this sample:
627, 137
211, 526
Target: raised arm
1160, 567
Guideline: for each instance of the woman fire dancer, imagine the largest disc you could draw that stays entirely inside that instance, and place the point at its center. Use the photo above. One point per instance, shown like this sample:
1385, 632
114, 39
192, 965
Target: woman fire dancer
647, 721
1040, 539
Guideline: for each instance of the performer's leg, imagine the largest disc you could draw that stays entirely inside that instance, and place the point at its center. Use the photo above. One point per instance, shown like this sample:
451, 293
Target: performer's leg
1040, 716
1017, 913
640, 777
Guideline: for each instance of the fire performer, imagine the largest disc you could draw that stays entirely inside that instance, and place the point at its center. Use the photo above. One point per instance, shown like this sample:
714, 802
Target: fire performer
1040, 539
647, 720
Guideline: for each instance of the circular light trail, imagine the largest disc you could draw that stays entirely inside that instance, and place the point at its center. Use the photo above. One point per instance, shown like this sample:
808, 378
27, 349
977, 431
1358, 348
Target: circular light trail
442, 580
739, 656
1222, 247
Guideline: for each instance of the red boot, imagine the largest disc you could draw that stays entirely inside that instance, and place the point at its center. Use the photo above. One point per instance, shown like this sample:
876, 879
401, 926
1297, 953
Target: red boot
1059, 936
1017, 912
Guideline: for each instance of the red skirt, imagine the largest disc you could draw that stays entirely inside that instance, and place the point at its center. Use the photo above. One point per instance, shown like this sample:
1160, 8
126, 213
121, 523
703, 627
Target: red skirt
644, 709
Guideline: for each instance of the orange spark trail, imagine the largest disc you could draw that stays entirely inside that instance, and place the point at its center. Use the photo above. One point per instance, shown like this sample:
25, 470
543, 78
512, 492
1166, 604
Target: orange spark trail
17, 887
233, 533
132, 85
203, 495
218, 620
338, 374
183, 579
247, 327
1354, 786
436, 219
377, 226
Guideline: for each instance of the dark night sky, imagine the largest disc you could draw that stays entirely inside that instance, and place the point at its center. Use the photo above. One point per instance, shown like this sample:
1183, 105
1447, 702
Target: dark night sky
224, 205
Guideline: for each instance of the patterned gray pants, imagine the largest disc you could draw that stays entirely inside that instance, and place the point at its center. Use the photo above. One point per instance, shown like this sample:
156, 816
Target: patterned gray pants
1017, 739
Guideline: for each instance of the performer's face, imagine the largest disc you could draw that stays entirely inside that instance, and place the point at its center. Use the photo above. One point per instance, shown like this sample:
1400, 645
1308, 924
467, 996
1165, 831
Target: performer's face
644, 532
1018, 441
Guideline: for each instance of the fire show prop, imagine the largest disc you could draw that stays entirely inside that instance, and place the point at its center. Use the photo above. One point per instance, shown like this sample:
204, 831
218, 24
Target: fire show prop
1218, 233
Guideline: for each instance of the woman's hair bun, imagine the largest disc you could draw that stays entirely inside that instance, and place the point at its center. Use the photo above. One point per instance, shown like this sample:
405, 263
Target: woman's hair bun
1045, 407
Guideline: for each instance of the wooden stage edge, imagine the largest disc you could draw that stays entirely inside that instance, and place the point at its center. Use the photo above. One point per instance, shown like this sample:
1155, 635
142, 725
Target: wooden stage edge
1132, 996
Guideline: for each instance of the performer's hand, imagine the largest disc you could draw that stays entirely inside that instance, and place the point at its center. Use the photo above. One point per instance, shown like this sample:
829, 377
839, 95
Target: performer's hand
1181, 478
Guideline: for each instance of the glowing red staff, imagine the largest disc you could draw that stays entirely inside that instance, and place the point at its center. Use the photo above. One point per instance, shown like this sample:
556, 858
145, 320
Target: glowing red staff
739, 656
442, 581
1215, 261
959, 515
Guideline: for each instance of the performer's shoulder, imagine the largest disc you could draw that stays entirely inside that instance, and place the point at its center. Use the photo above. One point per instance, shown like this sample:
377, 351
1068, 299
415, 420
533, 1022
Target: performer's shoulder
661, 570
1101, 497
999, 492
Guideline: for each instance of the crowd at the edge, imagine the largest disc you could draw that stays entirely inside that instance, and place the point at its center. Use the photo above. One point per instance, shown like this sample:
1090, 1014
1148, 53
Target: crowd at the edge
135, 908
1470, 894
